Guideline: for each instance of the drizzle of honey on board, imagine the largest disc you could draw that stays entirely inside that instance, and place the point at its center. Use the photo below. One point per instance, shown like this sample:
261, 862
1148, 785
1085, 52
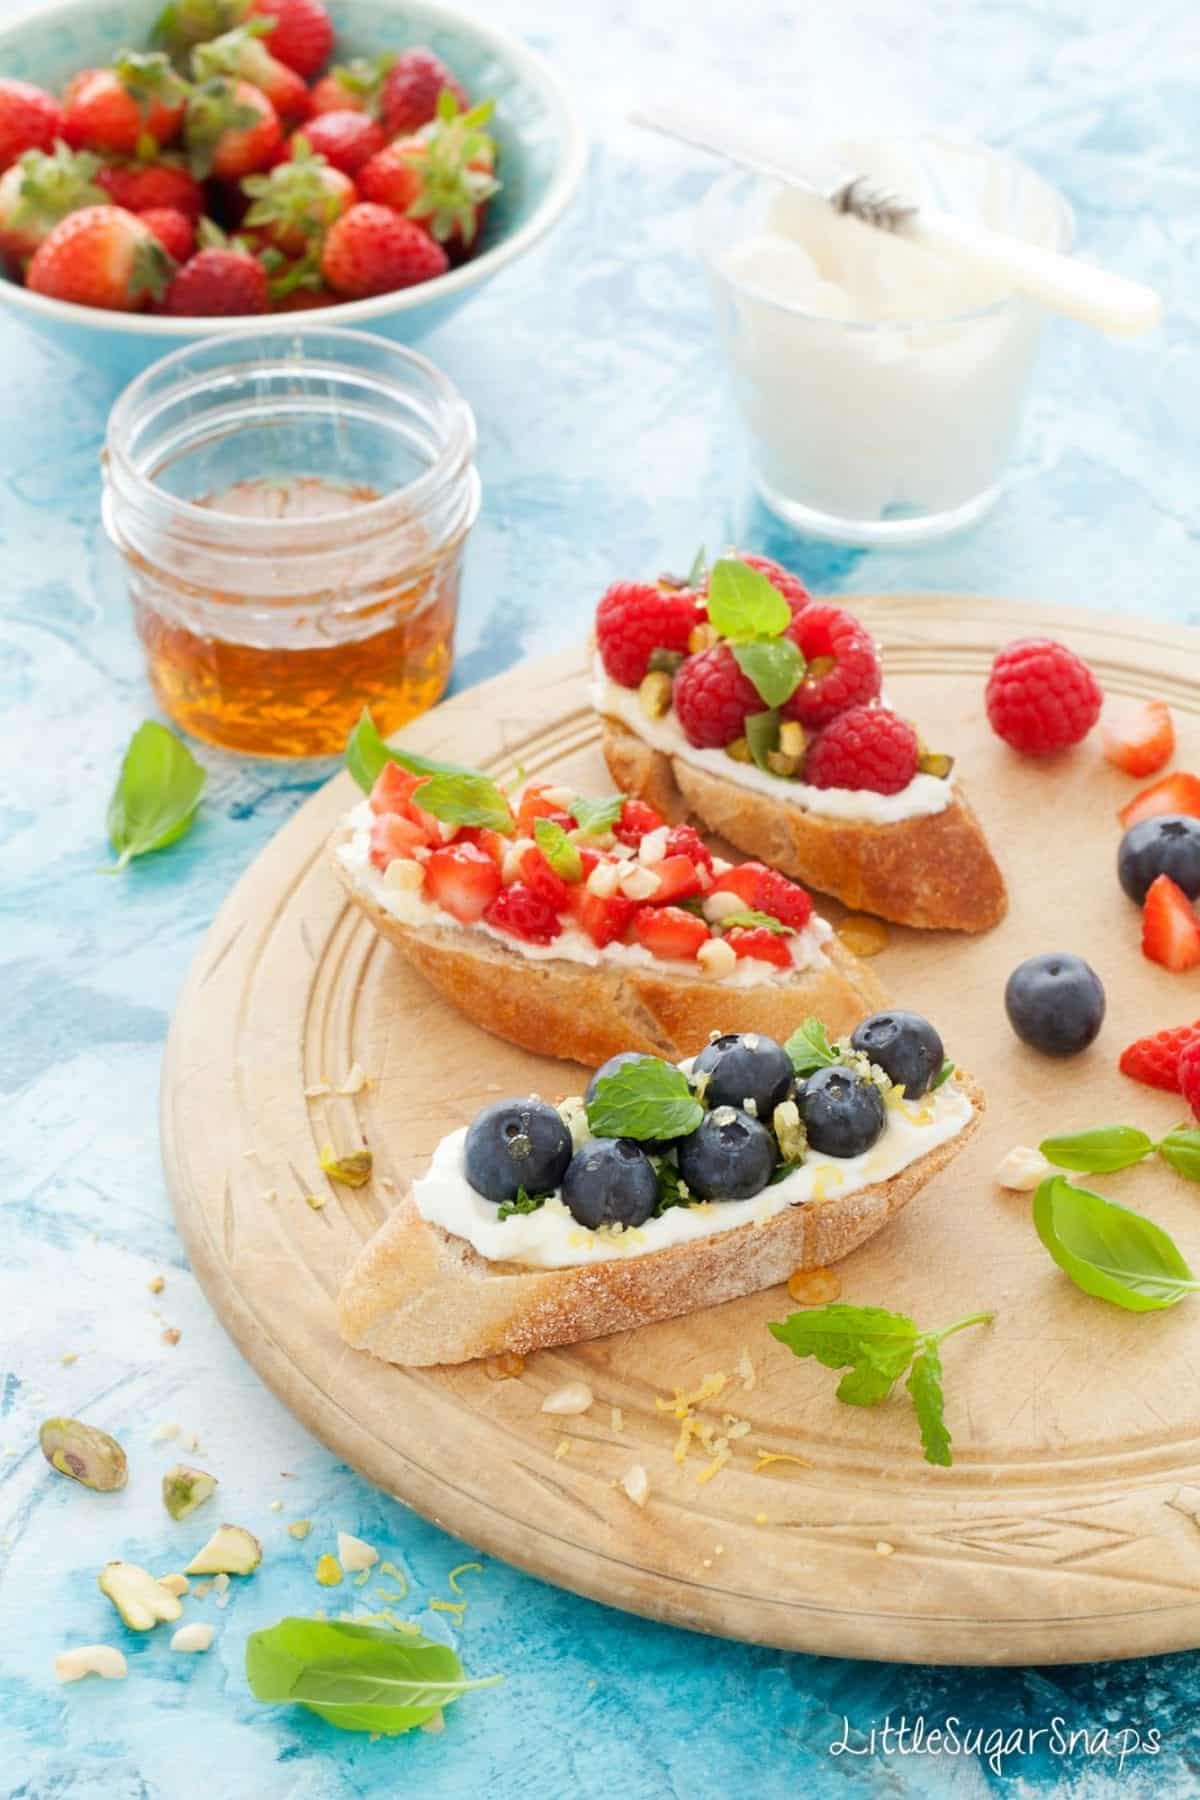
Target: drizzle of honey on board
295, 695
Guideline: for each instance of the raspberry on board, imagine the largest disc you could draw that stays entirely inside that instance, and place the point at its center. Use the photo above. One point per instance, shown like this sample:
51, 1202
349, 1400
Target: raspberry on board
866, 747
1189, 1073
713, 699
1155, 1060
844, 668
636, 618
1041, 697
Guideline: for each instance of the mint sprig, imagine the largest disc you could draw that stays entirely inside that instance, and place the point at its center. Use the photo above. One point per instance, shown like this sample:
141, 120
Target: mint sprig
762, 735
1112, 1147
751, 920
942, 1077
524, 1203
876, 1347
645, 1098
596, 818
743, 605
774, 667
558, 850
810, 1049
457, 795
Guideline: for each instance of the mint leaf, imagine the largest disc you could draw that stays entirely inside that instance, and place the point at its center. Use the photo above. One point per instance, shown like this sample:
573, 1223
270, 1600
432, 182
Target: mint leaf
596, 818
1097, 1152
524, 1203
466, 800
942, 1077
810, 1049
672, 1188
558, 850
742, 603
1108, 1251
158, 790
1181, 1150
646, 1098
366, 754
762, 735
924, 1385
750, 920
775, 668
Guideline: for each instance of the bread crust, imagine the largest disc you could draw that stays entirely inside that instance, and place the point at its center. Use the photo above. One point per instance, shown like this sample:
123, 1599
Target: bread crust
935, 873
585, 1014
418, 1295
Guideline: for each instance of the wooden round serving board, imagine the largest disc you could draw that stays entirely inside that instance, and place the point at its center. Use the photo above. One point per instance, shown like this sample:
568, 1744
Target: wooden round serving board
1068, 1528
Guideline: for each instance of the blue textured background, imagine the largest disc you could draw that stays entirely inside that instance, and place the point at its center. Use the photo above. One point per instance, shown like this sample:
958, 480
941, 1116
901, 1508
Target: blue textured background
606, 447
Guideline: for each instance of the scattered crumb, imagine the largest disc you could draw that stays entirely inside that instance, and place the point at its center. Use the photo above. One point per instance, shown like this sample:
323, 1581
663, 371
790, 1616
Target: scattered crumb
718, 1549
188, 1440
355, 1081
706, 1562
269, 1194
435, 1723
882, 1549
618, 1419
317, 1091
572, 1397
172, 1335
200, 1589
354, 1553
220, 1582
69, 1357
174, 1584
767, 1457
562, 1448
157, 1283
636, 1484
760, 1518
276, 1506
249, 1153
300, 1528
316, 1201
745, 1369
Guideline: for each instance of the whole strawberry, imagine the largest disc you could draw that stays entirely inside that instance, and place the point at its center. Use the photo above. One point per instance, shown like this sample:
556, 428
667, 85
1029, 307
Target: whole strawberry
301, 32
1041, 697
173, 229
441, 177
134, 107
411, 89
294, 205
39, 190
30, 119
345, 139
354, 86
139, 186
102, 256
241, 52
371, 250
636, 618
231, 129
218, 283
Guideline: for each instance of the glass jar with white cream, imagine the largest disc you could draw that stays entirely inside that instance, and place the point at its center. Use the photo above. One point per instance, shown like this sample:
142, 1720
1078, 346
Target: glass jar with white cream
881, 385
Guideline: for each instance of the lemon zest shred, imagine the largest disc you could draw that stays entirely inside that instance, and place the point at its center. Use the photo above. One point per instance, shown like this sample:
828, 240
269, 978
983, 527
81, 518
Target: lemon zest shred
462, 1569
767, 1457
389, 1568
458, 1607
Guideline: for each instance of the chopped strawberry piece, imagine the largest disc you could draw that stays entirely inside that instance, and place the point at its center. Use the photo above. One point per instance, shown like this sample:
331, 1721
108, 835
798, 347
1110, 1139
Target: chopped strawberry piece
685, 840
587, 860
767, 946
393, 789
1155, 1060
636, 820
604, 917
536, 871
1170, 928
1139, 738
742, 880
524, 914
463, 880
534, 805
785, 900
678, 879
1177, 792
392, 837
490, 842
669, 932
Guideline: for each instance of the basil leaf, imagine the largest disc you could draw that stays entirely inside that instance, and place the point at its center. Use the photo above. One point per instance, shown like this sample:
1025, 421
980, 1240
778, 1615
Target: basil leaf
924, 1386
775, 668
357, 1677
157, 793
366, 754
1108, 1251
742, 603
1181, 1149
1097, 1152
810, 1049
596, 818
645, 1098
942, 1077
466, 800
750, 920
762, 735
558, 850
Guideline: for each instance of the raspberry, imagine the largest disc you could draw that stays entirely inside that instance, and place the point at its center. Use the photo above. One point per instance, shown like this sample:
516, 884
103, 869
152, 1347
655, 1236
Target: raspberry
518, 910
785, 900
1041, 697
843, 663
781, 579
637, 819
1189, 1074
867, 747
685, 840
634, 619
713, 698
1155, 1060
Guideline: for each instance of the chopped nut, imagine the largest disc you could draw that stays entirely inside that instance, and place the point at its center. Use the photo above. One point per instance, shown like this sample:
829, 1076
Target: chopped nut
328, 1571
138, 1597
230, 1550
789, 1131
355, 1080
184, 1489
604, 879
353, 1169
162, 1432
276, 1506
189, 1440
1022, 1169
618, 1419
319, 1089
562, 1448
315, 1202
701, 637
156, 1284
720, 903
814, 1287
654, 694
760, 1518
717, 958
780, 763
172, 1335
175, 1584
505, 1367
793, 739
745, 1369
653, 846
572, 1397
194, 1637
638, 883
91, 1659
863, 936
354, 1554
68, 1357
300, 1528
636, 1484
739, 751
85, 1453
883, 1549
935, 762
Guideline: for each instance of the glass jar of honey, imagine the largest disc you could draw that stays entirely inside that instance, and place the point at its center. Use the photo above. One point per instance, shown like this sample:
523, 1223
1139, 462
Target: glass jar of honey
292, 509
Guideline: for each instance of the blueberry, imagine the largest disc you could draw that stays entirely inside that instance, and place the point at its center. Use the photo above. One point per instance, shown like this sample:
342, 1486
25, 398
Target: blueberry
652, 1146
745, 1066
1168, 845
611, 1181
729, 1156
516, 1144
843, 1115
1055, 1002
905, 1046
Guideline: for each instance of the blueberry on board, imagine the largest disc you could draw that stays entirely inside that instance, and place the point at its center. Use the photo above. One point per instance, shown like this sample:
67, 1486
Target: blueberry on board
611, 1181
745, 1066
729, 1156
652, 1146
1055, 1003
843, 1114
516, 1144
905, 1046
1167, 845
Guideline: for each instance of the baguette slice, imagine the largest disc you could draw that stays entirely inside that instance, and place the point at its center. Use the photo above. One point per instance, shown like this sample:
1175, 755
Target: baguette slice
586, 1014
418, 1295
935, 873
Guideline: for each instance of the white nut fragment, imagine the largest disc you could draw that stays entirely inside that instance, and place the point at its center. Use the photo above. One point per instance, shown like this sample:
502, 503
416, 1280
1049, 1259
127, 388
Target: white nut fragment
354, 1554
91, 1659
604, 880
717, 958
573, 1113
636, 1484
653, 846
562, 798
404, 874
572, 1397
229, 1551
138, 1597
638, 883
720, 904
175, 1584
356, 1080
1023, 1169
193, 1637
514, 851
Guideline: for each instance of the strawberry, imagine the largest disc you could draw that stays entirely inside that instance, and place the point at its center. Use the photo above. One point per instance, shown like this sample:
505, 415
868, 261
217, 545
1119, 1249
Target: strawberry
173, 229
139, 186
537, 874
490, 842
411, 90
785, 900
136, 106
218, 283
535, 805
685, 840
677, 880
605, 918
30, 119
370, 250
355, 86
669, 932
185, 23
760, 942
392, 789
1170, 928
39, 190
524, 914
463, 880
1155, 1060
441, 177
1139, 738
296, 203
301, 32
637, 819
743, 880
231, 129
393, 837
1177, 792
1189, 1074
101, 256
302, 298
241, 52
345, 139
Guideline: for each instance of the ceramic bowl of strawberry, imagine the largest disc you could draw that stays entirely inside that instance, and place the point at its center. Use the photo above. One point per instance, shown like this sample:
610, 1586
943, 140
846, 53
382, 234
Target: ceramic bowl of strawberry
538, 145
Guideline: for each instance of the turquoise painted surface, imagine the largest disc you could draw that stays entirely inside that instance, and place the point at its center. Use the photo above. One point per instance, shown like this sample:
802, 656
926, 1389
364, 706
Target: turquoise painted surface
605, 446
